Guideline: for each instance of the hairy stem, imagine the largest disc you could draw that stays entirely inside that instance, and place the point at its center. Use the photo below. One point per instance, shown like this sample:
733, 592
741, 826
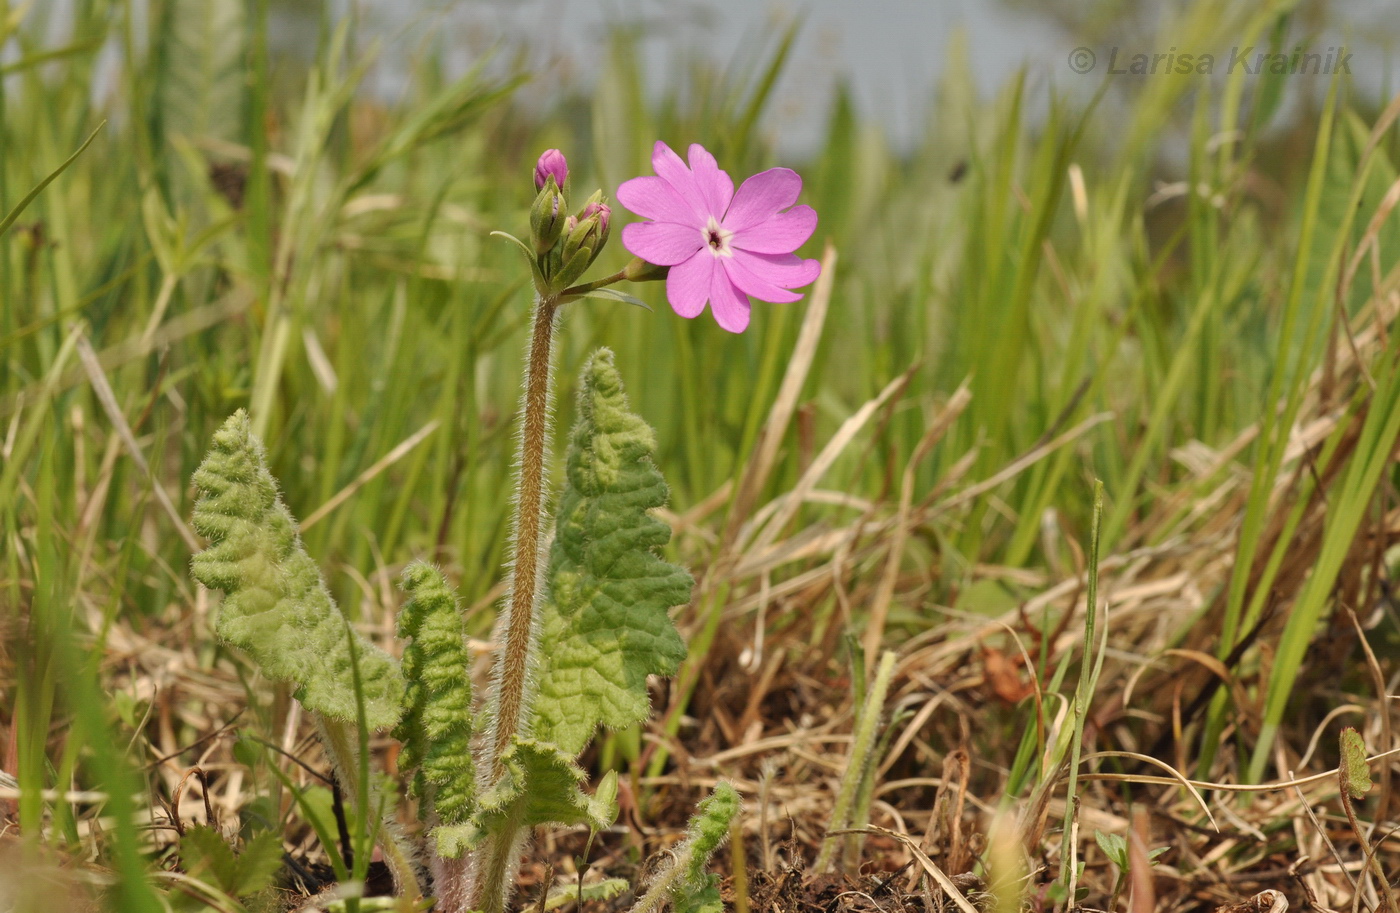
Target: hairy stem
336, 737
1371, 862
513, 663
496, 875
495, 868
859, 760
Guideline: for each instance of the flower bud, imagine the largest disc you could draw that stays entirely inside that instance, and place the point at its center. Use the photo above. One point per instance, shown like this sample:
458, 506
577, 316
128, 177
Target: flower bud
639, 270
546, 224
590, 229
551, 164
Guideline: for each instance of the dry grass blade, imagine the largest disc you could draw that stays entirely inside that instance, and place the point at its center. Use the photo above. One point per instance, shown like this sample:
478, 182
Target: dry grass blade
793, 500
799, 364
879, 610
103, 389
927, 864
383, 463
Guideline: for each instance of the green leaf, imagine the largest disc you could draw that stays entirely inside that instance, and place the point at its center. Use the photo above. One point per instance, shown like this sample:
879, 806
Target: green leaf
39, 188
541, 785
605, 626
1114, 846
436, 730
277, 608
612, 294
686, 883
705, 899
205, 854
1356, 771
258, 864
709, 828
606, 889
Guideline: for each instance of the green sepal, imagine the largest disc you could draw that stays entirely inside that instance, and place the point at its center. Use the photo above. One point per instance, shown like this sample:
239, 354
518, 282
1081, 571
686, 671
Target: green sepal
575, 264
541, 785
602, 806
437, 725
547, 217
605, 625
277, 608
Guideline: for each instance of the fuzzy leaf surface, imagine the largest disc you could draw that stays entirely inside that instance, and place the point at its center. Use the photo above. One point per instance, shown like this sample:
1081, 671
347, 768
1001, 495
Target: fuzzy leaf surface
606, 624
436, 729
277, 608
541, 785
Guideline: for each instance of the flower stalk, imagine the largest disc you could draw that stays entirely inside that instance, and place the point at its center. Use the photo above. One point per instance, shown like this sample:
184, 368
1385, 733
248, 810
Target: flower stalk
494, 870
513, 664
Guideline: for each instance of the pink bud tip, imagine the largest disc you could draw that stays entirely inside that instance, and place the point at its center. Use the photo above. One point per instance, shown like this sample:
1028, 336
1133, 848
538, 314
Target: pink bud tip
603, 211
551, 162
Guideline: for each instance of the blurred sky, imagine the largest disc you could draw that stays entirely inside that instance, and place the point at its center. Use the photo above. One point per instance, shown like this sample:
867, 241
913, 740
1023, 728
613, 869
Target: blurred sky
892, 52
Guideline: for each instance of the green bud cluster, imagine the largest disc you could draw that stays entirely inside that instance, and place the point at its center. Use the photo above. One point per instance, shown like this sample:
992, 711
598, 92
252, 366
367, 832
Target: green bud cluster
563, 246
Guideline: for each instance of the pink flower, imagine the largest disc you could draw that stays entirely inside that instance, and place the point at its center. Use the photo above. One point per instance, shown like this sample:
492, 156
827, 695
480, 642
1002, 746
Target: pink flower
722, 245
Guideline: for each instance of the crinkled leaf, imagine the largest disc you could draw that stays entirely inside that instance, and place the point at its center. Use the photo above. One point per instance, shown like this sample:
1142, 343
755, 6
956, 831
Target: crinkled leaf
1356, 771
702, 899
277, 608
606, 624
606, 889
541, 785
436, 729
708, 829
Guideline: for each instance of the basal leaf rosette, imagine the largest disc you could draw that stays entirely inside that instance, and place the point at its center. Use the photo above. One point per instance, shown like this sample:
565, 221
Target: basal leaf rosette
276, 608
606, 625
540, 785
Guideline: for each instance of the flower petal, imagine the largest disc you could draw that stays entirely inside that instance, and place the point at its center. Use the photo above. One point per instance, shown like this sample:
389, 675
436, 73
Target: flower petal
688, 284
761, 196
662, 243
672, 170
655, 198
782, 270
715, 186
751, 284
728, 303
782, 233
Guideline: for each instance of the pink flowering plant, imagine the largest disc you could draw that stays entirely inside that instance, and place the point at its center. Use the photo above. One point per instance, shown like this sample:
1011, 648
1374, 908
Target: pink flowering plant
585, 620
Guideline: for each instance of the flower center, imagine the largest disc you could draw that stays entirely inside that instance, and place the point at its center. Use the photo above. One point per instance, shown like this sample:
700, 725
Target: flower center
717, 237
